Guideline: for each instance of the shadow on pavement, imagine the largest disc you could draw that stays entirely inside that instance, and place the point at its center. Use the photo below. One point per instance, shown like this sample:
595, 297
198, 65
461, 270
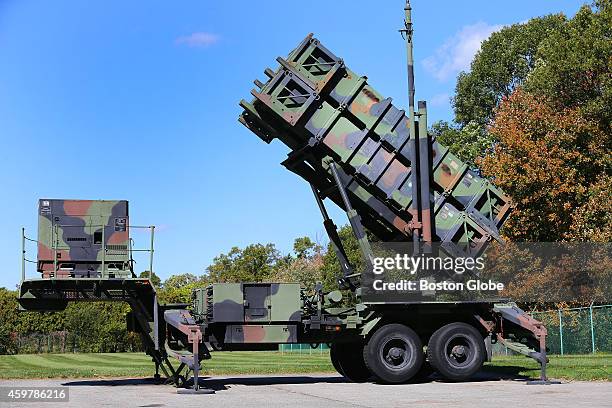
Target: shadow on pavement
496, 373
112, 382
509, 372
215, 383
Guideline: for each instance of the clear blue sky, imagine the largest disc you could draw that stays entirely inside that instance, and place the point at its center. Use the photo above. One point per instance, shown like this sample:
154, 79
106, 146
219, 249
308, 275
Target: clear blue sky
138, 100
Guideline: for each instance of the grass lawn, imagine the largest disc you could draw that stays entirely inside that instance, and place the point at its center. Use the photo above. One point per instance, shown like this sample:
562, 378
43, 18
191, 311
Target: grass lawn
140, 365
588, 367
575, 367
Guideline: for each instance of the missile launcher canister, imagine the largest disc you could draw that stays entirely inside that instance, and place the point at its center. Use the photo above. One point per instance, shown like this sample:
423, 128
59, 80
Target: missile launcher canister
325, 112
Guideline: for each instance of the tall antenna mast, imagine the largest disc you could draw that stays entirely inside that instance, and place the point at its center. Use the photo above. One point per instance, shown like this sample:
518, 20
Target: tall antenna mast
407, 32
414, 205
421, 207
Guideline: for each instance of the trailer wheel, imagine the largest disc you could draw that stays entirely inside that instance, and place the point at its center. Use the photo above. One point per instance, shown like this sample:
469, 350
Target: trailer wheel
333, 356
347, 359
394, 353
456, 351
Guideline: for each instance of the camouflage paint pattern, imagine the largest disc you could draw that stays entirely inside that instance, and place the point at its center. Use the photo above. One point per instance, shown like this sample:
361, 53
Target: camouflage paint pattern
320, 109
257, 333
71, 234
254, 312
251, 312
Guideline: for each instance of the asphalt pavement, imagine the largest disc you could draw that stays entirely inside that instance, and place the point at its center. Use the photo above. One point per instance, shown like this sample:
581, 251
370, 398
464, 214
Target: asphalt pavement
321, 391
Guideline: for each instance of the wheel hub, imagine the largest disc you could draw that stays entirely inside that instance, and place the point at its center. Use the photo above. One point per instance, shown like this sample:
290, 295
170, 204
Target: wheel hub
396, 353
458, 351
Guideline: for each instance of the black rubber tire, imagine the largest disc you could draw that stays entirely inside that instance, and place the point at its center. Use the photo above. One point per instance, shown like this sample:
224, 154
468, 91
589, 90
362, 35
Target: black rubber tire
349, 358
333, 356
394, 353
456, 351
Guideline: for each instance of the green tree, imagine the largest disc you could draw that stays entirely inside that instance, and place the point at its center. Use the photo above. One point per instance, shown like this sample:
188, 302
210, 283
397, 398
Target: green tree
567, 61
574, 65
331, 269
8, 321
504, 62
179, 281
178, 288
98, 327
305, 268
304, 247
468, 142
306, 271
155, 280
254, 263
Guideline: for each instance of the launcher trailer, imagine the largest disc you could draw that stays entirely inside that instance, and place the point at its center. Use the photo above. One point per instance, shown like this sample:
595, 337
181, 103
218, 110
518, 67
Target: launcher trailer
376, 162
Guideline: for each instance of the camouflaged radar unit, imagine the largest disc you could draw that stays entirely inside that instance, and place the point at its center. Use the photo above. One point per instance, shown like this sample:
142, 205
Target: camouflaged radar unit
353, 146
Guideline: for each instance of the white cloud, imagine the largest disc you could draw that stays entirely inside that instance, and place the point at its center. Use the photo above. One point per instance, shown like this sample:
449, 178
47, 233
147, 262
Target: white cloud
198, 40
438, 100
456, 53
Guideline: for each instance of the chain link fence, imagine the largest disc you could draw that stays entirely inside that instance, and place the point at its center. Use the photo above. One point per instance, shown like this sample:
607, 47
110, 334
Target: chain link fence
580, 330
303, 348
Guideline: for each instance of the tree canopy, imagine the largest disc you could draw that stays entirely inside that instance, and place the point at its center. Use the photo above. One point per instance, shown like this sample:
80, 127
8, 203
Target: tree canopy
567, 61
533, 113
554, 165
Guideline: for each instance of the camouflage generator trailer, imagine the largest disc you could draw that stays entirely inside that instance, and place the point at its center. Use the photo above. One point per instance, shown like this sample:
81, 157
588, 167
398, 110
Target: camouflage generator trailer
70, 237
373, 160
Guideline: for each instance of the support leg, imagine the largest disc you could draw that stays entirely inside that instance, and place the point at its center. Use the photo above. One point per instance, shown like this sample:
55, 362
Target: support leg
156, 376
543, 361
195, 338
196, 366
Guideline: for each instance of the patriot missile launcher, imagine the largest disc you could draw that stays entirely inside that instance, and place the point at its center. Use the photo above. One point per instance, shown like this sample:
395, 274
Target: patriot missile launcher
378, 163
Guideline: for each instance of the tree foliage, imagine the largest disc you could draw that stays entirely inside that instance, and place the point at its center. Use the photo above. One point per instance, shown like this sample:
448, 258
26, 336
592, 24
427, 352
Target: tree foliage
503, 63
565, 60
534, 113
331, 265
155, 280
574, 65
98, 327
553, 163
468, 142
254, 263
178, 288
8, 321
304, 247
90, 327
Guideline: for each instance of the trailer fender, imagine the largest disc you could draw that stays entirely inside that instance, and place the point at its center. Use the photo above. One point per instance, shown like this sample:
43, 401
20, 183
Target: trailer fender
367, 328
